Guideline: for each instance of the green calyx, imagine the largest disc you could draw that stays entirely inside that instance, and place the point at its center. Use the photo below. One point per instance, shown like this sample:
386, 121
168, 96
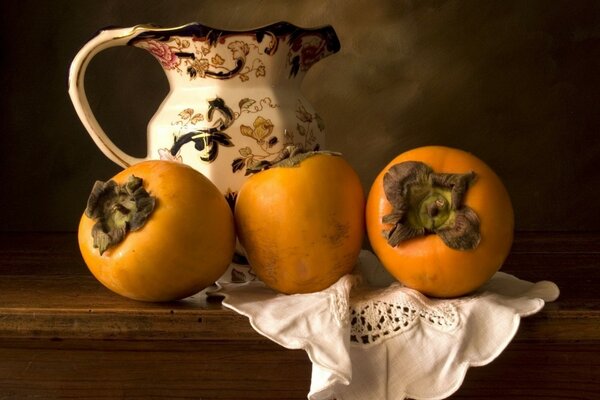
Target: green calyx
290, 156
425, 202
118, 209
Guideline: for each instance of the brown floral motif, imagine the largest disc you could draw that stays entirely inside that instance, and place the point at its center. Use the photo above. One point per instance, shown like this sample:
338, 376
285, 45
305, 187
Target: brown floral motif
305, 124
266, 153
262, 129
248, 105
305, 52
201, 58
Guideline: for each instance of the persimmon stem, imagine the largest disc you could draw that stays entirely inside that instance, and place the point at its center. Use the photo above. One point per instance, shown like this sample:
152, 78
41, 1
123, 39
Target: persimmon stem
290, 156
425, 202
117, 209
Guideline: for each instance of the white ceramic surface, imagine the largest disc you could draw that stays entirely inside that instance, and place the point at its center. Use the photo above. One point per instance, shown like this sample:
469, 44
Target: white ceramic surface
234, 99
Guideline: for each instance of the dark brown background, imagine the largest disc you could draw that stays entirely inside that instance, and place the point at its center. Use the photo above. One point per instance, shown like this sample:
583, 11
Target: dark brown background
515, 82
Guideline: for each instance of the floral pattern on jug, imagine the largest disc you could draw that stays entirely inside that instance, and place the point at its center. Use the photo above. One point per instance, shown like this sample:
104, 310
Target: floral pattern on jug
234, 102
199, 58
208, 139
265, 150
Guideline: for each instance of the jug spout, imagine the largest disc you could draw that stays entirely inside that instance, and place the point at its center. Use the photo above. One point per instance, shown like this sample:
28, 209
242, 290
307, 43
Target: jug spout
195, 53
307, 47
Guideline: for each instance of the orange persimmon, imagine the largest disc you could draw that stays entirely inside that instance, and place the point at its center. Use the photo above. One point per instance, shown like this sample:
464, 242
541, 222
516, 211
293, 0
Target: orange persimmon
440, 220
301, 222
157, 231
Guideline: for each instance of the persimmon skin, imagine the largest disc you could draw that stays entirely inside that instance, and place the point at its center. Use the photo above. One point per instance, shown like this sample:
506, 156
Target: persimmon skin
426, 263
186, 244
302, 227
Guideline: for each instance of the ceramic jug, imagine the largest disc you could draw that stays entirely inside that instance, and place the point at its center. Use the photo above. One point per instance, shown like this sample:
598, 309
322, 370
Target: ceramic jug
234, 101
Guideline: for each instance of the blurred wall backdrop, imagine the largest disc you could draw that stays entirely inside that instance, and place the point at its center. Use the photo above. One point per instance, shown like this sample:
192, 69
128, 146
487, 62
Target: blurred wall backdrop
515, 82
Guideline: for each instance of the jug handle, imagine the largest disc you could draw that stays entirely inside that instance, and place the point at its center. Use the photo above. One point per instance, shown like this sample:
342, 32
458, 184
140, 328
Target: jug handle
103, 40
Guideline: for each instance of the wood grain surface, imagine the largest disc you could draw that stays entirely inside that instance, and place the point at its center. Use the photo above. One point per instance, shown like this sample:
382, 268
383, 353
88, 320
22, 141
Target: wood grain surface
63, 335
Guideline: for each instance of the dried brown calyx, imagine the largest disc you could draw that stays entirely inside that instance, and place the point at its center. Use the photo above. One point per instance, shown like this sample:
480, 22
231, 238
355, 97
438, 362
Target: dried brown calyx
118, 209
425, 202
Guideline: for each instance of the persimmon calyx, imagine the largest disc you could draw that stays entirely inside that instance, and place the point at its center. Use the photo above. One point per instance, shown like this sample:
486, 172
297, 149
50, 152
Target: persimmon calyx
290, 156
118, 209
425, 202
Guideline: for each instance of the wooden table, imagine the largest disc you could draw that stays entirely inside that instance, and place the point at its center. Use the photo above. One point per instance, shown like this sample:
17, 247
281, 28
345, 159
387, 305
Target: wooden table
63, 335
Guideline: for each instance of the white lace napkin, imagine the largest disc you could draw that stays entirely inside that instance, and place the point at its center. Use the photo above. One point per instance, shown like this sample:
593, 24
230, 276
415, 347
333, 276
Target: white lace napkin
371, 338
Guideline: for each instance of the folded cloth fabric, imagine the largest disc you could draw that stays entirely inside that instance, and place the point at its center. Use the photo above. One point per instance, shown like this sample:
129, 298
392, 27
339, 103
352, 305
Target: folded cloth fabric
369, 337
